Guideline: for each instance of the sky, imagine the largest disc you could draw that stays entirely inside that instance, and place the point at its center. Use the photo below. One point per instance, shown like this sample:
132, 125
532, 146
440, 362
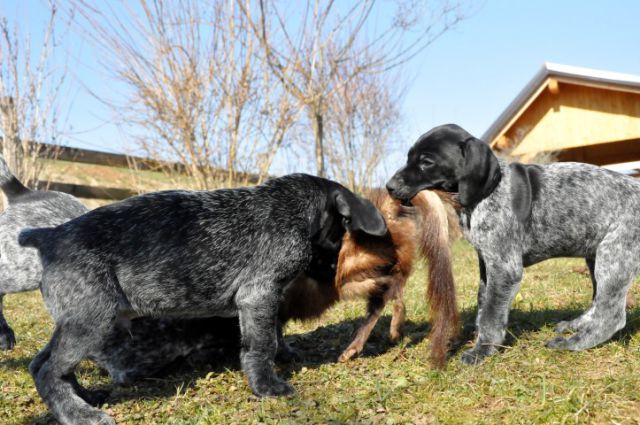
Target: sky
468, 76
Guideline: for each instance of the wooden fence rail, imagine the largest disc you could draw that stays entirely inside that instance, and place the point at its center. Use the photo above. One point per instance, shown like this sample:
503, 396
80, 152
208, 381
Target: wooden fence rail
88, 156
90, 192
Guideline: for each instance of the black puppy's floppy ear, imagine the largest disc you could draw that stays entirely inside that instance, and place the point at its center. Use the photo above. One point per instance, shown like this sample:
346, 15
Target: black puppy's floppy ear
480, 173
359, 214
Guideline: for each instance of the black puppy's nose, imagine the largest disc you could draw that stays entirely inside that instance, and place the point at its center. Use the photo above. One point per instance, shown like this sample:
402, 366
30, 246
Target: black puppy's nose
392, 185
390, 188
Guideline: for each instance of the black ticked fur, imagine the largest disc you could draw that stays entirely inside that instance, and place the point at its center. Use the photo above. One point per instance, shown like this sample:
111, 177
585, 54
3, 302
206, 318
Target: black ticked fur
220, 253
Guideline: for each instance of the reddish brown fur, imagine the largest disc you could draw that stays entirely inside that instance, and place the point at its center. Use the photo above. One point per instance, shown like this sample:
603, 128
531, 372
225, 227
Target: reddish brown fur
441, 293
306, 299
378, 268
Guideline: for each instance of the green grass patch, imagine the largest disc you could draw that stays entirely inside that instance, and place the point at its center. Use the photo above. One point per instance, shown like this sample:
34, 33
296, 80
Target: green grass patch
389, 384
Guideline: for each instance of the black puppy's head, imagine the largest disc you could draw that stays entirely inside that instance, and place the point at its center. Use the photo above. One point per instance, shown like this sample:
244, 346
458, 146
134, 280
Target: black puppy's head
358, 214
345, 211
450, 159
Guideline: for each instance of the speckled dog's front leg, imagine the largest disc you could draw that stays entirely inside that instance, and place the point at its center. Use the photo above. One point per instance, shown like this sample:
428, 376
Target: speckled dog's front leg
482, 289
503, 278
258, 311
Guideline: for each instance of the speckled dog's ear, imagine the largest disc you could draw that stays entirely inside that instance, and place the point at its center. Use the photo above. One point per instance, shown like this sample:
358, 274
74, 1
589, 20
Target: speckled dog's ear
358, 214
479, 174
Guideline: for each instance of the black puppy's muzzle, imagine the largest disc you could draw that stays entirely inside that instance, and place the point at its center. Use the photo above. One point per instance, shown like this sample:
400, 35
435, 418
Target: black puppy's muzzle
399, 190
393, 184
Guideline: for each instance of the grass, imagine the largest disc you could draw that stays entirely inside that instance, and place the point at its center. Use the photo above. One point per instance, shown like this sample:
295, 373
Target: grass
525, 383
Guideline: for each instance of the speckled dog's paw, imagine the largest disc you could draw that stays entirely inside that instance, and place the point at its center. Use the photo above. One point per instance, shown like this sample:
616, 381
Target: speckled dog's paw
88, 416
476, 355
273, 387
103, 419
558, 343
567, 326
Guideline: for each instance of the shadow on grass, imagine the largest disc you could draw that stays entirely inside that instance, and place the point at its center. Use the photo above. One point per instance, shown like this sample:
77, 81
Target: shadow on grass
322, 346
318, 347
17, 363
522, 322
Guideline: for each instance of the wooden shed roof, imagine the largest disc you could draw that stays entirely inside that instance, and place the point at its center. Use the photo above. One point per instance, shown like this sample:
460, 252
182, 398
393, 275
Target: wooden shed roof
551, 74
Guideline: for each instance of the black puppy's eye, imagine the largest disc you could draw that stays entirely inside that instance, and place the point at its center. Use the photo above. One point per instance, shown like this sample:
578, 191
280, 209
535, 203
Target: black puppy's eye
346, 221
426, 162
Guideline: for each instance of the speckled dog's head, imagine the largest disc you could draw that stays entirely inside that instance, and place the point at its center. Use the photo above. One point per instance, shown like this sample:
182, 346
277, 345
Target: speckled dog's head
448, 158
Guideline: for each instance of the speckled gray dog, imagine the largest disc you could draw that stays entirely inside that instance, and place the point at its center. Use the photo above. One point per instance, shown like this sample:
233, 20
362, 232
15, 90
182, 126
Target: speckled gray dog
184, 254
20, 268
517, 215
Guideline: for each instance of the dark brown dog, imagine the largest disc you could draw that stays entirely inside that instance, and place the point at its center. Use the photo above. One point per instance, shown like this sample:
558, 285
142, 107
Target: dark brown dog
378, 268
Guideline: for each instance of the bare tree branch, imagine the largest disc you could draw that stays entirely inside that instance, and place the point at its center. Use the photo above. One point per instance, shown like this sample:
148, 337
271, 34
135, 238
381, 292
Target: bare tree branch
195, 84
330, 36
29, 97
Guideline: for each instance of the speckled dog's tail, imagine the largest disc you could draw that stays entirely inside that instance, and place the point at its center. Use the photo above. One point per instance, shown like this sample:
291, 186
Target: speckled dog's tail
33, 238
10, 185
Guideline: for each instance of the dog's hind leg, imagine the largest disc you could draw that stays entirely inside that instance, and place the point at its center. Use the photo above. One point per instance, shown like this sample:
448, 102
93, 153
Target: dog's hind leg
398, 316
575, 324
258, 311
7, 337
84, 316
54, 367
375, 307
615, 268
94, 398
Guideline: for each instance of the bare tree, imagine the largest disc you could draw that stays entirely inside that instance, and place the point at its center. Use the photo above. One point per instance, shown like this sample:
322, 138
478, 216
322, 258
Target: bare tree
363, 120
307, 44
197, 87
219, 86
29, 97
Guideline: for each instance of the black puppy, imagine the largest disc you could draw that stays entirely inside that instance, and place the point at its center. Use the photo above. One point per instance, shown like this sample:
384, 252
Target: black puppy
220, 253
516, 215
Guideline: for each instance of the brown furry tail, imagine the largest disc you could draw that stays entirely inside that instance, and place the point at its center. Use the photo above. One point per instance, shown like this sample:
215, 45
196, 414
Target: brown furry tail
441, 292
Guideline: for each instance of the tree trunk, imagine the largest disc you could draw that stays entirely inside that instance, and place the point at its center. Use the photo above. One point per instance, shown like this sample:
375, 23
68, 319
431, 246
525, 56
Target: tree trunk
319, 136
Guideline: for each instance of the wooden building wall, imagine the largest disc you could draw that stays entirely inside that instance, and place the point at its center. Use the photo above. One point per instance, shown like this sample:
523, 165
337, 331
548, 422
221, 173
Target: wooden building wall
591, 124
